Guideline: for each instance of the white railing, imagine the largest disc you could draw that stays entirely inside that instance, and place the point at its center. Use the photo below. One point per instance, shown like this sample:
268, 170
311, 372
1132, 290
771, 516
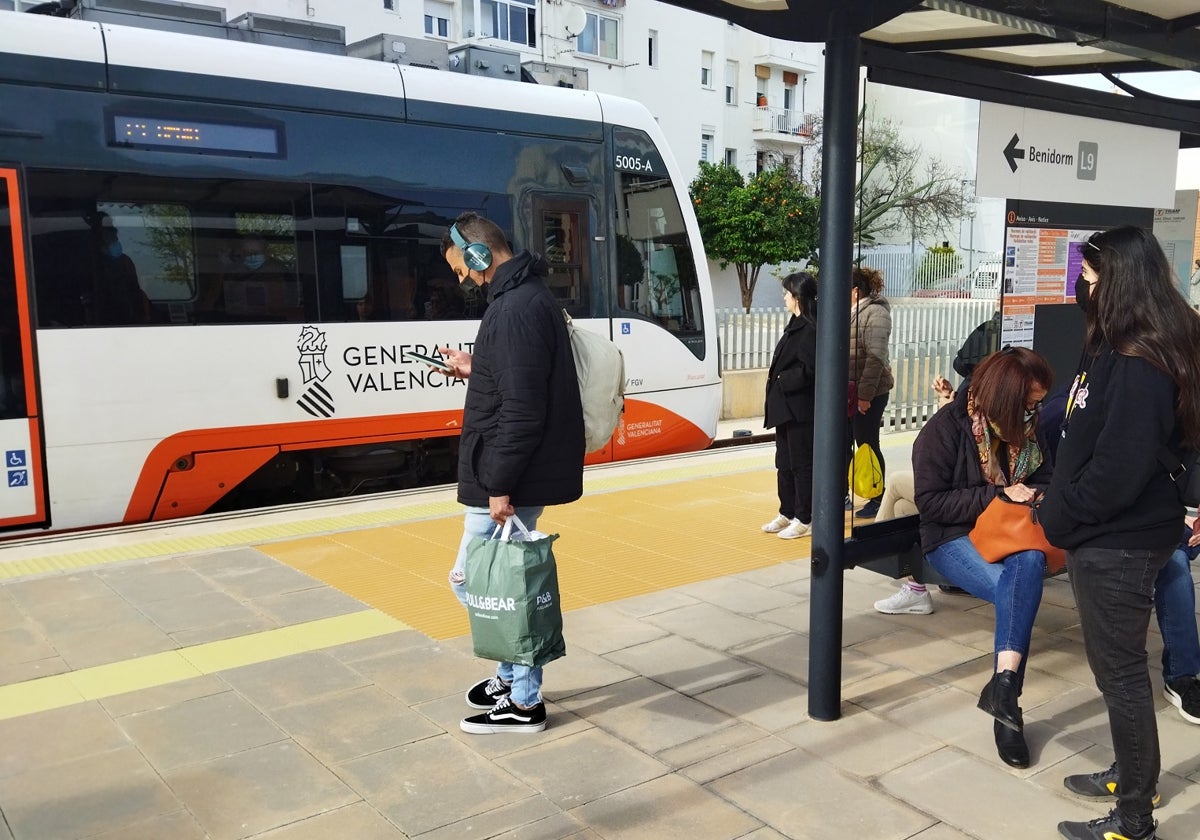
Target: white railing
926, 335
783, 121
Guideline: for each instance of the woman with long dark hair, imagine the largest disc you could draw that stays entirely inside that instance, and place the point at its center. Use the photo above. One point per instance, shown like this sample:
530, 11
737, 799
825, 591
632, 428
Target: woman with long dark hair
984, 445
1114, 506
789, 407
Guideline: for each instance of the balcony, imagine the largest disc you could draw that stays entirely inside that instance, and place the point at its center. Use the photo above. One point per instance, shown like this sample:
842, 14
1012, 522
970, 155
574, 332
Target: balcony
782, 124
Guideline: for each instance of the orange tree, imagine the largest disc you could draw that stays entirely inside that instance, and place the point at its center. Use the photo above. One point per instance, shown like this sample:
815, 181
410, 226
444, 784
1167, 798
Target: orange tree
766, 219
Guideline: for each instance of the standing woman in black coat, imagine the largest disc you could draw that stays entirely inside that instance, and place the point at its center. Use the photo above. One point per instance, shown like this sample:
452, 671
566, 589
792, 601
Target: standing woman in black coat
1112, 504
789, 407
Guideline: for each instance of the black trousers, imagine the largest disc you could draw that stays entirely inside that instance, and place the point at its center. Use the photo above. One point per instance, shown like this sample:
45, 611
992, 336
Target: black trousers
794, 469
1114, 590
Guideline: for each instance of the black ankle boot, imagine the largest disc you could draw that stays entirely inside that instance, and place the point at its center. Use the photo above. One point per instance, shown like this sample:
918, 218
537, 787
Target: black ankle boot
999, 699
1011, 746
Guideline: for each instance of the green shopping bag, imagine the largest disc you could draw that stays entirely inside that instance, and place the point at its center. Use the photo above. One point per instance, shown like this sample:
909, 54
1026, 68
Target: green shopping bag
512, 597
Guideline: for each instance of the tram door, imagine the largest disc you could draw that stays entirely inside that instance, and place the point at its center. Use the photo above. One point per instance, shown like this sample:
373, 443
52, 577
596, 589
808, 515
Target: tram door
23, 492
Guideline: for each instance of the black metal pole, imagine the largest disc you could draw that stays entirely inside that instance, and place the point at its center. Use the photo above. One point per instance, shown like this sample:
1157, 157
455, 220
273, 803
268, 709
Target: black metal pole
838, 160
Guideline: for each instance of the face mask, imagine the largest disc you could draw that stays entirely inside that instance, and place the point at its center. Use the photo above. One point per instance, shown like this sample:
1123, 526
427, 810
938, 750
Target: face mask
1082, 288
113, 250
254, 261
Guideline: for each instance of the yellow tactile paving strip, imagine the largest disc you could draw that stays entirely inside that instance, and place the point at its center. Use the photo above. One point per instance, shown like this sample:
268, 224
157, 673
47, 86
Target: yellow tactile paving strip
157, 669
612, 545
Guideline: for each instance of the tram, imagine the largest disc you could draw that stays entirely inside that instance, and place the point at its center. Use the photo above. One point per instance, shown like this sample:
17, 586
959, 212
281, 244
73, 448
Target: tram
214, 256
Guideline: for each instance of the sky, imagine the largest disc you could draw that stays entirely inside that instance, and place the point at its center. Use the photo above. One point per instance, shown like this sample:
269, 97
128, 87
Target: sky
1180, 84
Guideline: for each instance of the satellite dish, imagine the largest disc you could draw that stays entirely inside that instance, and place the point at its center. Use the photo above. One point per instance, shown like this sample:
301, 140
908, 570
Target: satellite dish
576, 21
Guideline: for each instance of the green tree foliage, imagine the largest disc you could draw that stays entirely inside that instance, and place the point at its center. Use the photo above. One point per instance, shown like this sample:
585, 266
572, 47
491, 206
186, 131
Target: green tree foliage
764, 220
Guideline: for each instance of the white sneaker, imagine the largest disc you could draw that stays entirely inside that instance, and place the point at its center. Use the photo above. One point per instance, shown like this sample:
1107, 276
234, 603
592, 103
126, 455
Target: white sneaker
777, 524
906, 602
795, 529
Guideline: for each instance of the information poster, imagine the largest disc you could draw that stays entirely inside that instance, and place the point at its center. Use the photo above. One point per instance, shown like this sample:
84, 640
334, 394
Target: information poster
1043, 256
1175, 227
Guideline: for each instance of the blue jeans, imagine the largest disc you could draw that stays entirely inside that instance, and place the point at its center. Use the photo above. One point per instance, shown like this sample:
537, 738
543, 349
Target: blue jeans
526, 681
1014, 586
1175, 605
1114, 590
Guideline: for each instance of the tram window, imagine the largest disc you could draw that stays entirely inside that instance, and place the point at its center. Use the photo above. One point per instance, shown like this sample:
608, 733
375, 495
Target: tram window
196, 250
561, 235
379, 255
158, 239
656, 276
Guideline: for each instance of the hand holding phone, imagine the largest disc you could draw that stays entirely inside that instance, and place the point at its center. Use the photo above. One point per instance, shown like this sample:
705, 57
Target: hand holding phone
438, 364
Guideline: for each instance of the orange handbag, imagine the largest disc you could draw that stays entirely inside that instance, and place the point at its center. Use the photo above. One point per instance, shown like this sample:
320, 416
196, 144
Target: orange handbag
1006, 527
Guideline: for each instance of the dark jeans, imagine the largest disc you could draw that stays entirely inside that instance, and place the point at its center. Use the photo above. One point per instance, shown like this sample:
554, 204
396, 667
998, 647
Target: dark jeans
1175, 606
864, 428
1114, 590
794, 469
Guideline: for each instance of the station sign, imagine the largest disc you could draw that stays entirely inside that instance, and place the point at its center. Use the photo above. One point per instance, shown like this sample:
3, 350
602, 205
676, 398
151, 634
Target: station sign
1041, 156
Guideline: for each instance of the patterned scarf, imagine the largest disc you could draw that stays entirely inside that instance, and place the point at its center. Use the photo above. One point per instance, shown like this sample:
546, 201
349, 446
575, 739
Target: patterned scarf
1024, 458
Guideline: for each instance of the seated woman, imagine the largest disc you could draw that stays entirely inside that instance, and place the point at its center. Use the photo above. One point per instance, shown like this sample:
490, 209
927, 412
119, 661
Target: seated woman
985, 444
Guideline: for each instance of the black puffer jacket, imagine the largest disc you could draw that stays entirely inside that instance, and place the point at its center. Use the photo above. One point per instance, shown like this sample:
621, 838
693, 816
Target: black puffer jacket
950, 488
523, 422
790, 381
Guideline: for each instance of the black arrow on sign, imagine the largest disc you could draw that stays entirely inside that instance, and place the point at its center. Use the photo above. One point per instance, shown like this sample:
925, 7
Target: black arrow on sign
1012, 153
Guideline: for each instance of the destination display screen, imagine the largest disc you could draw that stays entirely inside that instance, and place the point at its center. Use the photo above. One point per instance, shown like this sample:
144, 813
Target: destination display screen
178, 135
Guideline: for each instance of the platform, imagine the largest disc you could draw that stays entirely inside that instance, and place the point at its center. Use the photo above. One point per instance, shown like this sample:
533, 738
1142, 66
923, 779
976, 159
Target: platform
299, 675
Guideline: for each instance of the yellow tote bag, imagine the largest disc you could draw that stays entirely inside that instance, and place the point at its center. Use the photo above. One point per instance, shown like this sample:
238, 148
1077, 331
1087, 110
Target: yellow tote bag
866, 476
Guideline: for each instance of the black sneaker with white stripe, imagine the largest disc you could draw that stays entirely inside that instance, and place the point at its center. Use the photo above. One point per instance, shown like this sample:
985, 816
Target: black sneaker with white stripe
1184, 694
506, 717
486, 693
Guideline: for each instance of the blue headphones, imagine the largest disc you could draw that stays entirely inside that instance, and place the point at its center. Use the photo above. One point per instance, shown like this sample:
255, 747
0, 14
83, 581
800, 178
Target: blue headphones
476, 255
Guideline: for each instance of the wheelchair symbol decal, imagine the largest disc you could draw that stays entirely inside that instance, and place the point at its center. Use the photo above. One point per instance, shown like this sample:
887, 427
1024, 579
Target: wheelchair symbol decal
14, 458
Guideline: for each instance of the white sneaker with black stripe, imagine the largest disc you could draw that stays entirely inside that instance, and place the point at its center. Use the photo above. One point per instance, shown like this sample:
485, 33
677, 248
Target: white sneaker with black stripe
506, 717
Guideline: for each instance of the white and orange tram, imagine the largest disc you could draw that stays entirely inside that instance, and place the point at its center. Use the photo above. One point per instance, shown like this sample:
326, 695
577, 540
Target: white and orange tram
214, 255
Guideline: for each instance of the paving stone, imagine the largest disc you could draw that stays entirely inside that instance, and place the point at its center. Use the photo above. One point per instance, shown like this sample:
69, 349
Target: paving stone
358, 821
177, 825
768, 701
44, 739
738, 595
715, 627
339, 727
602, 629
534, 818
806, 798
433, 783
199, 730
682, 665
860, 743
307, 605
159, 580
646, 715
581, 768
241, 795
96, 793
301, 676
199, 611
668, 808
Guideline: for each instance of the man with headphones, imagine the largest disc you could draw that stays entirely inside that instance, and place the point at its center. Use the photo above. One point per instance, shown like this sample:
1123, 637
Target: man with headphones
522, 442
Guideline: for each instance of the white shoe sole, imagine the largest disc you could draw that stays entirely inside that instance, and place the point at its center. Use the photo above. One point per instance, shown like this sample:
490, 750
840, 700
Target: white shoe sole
498, 728
1177, 701
793, 536
915, 610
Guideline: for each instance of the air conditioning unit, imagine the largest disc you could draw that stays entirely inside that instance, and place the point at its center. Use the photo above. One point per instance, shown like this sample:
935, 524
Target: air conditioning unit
101, 10
485, 61
398, 49
557, 75
289, 32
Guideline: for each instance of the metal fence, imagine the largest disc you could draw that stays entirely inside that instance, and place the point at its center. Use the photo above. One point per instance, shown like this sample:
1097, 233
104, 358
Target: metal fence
926, 335
936, 274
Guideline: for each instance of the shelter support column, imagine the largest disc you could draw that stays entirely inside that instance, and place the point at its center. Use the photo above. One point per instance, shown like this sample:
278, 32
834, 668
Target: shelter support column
838, 163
